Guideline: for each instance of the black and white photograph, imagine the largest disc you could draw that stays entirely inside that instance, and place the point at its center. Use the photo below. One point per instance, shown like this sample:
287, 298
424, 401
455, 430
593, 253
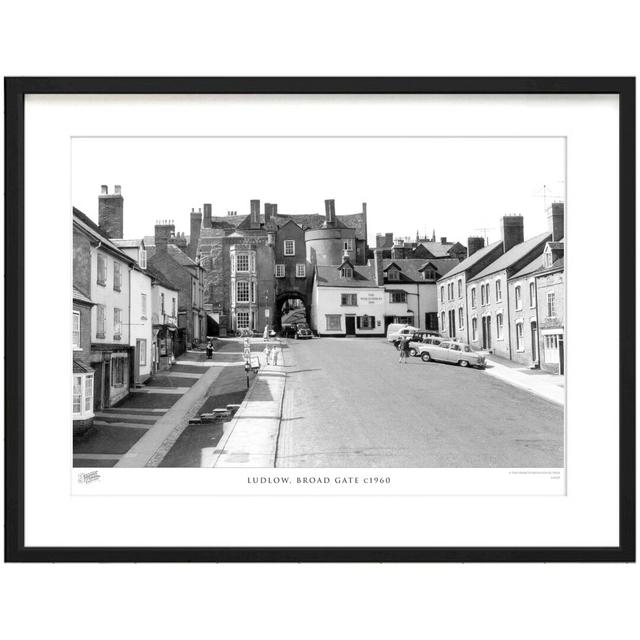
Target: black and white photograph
319, 302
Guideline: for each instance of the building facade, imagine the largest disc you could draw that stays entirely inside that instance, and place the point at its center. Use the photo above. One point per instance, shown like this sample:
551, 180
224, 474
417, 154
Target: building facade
110, 319
140, 328
83, 374
285, 250
453, 298
347, 301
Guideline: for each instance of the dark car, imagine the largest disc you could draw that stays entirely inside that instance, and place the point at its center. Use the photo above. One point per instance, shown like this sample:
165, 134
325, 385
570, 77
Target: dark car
303, 332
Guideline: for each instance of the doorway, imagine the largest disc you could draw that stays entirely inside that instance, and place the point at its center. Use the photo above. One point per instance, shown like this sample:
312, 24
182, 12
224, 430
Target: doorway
534, 341
561, 348
452, 323
486, 332
350, 325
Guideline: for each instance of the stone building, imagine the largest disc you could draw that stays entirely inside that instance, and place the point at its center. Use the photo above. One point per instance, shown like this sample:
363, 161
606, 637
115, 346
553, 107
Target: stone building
167, 254
82, 407
111, 354
488, 295
453, 311
278, 249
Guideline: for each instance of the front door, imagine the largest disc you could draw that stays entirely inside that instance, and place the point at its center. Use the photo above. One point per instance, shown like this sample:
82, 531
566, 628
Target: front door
534, 341
486, 332
452, 323
561, 348
350, 323
136, 362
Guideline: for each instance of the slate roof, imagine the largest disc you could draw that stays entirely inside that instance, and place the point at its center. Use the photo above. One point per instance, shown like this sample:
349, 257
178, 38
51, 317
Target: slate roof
437, 249
128, 244
306, 221
93, 229
473, 258
410, 267
534, 265
176, 253
363, 277
512, 256
80, 367
81, 297
159, 278
558, 265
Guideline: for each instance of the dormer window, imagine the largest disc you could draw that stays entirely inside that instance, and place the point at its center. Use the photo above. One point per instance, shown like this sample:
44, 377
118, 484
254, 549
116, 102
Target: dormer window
429, 275
346, 272
548, 258
393, 274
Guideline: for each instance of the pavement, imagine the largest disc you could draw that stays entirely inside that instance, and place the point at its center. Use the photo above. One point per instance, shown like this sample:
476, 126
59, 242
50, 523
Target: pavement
251, 438
541, 383
150, 426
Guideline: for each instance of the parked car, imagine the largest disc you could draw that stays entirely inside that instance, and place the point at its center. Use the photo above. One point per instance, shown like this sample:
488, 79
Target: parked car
425, 338
303, 332
450, 351
396, 331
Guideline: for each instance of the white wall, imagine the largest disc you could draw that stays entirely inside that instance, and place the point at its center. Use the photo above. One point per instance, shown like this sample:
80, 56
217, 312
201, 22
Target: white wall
111, 298
140, 328
327, 301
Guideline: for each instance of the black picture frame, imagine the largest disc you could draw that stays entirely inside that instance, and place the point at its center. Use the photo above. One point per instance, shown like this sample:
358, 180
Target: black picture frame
15, 91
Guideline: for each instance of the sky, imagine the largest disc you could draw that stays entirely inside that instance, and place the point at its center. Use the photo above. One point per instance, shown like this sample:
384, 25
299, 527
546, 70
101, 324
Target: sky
458, 186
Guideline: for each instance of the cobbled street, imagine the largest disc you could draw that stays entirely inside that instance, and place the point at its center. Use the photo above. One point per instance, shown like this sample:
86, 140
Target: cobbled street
349, 403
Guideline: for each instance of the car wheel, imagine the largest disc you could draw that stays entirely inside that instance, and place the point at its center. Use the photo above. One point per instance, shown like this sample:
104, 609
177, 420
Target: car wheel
413, 353
463, 363
425, 357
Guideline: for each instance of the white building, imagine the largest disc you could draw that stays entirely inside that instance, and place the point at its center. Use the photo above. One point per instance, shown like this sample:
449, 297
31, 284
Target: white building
140, 301
164, 318
110, 318
347, 301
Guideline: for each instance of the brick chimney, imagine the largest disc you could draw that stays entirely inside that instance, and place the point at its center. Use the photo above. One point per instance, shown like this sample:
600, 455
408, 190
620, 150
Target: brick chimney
443, 240
512, 231
165, 232
110, 212
194, 230
330, 212
556, 221
255, 214
378, 267
270, 210
475, 243
206, 221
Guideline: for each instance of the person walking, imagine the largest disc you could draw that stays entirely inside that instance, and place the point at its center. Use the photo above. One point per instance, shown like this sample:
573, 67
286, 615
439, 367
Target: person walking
210, 350
404, 349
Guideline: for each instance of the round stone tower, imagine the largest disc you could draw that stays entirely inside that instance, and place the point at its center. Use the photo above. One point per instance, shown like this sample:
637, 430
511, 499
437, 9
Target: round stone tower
329, 244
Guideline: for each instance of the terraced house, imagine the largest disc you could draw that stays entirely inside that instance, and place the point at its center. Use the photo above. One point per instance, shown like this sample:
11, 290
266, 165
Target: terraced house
453, 301
489, 307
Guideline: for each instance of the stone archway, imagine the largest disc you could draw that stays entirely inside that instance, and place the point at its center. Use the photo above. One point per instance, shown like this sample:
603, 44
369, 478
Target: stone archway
282, 300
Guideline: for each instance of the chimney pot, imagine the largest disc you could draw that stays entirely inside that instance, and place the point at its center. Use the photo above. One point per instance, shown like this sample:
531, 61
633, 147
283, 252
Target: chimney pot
104, 189
117, 189
330, 211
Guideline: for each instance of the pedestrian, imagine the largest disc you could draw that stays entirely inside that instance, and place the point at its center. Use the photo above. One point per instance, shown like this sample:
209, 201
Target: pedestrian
266, 333
267, 354
404, 349
210, 350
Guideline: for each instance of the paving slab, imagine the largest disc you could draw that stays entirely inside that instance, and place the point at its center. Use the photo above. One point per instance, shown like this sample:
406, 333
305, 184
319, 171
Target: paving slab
157, 441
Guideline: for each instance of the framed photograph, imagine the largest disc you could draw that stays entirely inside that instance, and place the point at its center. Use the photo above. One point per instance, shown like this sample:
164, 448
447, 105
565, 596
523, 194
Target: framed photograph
320, 319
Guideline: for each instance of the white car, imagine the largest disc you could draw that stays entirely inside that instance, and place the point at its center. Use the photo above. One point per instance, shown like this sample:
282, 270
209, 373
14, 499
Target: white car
397, 331
450, 351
